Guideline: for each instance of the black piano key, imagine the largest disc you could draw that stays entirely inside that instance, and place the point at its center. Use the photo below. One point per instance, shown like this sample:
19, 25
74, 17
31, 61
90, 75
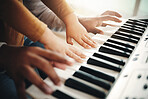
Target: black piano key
120, 43
124, 39
109, 59
130, 31
102, 64
127, 35
84, 88
61, 95
114, 52
92, 79
97, 73
139, 21
134, 26
118, 47
146, 20
136, 23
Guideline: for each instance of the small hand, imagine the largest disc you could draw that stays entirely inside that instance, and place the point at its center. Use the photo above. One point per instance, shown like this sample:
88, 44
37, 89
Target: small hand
66, 49
19, 62
74, 30
56, 44
80, 35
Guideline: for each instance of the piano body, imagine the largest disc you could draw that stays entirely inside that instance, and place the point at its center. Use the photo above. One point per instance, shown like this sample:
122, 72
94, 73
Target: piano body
116, 69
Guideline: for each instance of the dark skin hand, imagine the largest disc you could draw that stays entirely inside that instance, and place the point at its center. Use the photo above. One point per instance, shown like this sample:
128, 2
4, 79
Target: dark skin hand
19, 62
90, 23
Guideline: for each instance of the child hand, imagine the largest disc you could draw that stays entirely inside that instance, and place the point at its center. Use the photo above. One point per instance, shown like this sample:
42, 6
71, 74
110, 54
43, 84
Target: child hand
74, 30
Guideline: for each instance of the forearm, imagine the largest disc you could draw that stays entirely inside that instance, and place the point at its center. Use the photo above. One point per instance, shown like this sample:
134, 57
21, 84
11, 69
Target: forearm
59, 7
43, 13
16, 15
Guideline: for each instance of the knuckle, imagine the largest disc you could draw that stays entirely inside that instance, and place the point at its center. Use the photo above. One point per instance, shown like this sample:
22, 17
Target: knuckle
83, 44
45, 63
36, 48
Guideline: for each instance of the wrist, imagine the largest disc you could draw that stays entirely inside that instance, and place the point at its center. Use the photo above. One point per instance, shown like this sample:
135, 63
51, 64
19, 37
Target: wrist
48, 39
70, 19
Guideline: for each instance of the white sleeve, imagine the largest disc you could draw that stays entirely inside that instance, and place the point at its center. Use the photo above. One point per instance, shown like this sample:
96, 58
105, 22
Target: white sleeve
1, 70
2, 43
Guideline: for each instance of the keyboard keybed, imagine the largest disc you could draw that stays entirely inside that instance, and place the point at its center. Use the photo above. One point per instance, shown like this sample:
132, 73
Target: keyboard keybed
96, 76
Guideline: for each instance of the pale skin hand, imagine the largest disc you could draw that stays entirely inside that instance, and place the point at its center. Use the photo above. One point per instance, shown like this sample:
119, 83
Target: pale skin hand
74, 30
90, 23
22, 66
54, 43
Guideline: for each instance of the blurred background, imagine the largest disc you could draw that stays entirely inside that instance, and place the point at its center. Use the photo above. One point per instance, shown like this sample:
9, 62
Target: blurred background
127, 8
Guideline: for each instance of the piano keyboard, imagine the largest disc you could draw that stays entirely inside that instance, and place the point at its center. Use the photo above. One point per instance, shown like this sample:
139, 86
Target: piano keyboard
112, 70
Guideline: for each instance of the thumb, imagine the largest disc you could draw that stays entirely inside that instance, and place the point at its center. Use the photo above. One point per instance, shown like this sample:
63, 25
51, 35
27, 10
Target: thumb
96, 30
69, 40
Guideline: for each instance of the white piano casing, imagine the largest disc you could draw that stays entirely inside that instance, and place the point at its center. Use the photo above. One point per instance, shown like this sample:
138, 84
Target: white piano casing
129, 84
126, 85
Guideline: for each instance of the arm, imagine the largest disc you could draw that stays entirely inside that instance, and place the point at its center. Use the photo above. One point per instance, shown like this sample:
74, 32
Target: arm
74, 30
16, 15
43, 13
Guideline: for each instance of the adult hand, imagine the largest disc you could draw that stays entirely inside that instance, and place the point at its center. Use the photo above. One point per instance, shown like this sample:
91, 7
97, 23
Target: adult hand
90, 23
19, 62
112, 13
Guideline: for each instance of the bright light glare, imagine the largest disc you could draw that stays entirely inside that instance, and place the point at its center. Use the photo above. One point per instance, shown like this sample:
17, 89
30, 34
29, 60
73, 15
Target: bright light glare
95, 7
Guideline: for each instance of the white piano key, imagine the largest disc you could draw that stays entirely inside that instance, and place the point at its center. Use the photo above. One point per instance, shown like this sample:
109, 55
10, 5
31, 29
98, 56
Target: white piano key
68, 74
114, 56
123, 41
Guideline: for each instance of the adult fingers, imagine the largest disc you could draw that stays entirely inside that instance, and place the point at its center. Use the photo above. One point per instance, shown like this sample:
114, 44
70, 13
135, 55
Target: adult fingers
53, 56
59, 65
20, 87
46, 67
74, 56
89, 42
31, 75
111, 18
113, 13
77, 52
69, 40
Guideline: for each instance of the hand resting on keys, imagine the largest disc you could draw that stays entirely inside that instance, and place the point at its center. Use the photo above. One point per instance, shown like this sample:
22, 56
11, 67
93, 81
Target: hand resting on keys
78, 32
54, 43
90, 23
19, 62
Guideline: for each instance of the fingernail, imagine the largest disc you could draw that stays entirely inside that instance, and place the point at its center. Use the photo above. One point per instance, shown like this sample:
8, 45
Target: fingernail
80, 61
59, 84
88, 47
83, 56
94, 42
47, 89
120, 21
95, 45
102, 32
